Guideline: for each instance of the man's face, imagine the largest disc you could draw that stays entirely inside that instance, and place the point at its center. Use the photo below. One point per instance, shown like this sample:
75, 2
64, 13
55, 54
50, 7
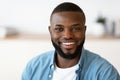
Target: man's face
67, 32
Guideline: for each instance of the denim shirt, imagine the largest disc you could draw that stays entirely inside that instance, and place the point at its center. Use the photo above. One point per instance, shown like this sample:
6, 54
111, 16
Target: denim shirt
91, 67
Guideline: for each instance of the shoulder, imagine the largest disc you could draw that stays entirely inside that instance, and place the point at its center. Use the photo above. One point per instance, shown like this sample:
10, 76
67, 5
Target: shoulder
37, 65
95, 61
100, 66
94, 57
42, 58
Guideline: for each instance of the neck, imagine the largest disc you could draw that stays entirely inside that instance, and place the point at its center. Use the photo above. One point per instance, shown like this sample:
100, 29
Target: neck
66, 63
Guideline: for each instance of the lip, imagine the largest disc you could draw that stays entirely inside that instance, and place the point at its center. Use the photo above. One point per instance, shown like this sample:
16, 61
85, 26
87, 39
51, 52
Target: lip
68, 45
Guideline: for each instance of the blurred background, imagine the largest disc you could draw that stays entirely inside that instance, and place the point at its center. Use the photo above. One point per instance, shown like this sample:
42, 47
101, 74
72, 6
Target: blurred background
24, 31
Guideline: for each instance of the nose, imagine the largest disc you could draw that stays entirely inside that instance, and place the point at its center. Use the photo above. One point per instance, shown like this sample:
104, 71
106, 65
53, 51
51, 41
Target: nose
68, 34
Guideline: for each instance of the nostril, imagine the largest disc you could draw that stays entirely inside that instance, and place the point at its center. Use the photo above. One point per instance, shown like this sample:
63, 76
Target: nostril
68, 35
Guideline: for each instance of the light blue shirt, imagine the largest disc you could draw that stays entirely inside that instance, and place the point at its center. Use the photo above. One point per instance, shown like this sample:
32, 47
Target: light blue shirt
91, 67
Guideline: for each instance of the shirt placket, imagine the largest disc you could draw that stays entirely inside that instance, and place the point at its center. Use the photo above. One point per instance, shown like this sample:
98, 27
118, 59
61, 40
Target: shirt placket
50, 75
78, 73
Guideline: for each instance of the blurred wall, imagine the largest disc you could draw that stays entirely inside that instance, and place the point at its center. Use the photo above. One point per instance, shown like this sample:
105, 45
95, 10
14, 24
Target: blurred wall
32, 16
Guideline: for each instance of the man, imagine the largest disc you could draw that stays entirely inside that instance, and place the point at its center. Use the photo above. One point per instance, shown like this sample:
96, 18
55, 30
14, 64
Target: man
69, 60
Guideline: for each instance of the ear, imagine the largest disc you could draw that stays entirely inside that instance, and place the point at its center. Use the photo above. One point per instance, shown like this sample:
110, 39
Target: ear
85, 28
49, 28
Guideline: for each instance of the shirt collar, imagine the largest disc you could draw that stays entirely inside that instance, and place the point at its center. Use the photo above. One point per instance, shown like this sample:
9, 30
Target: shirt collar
80, 63
52, 59
82, 59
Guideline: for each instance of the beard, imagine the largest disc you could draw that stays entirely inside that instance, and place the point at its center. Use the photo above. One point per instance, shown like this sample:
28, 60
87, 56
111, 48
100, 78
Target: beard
69, 56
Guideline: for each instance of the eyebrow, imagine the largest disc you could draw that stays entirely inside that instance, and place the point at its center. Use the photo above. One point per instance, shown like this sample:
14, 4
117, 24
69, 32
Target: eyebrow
59, 25
76, 25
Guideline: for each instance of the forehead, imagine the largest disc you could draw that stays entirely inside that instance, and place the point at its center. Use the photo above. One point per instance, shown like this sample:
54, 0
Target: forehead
67, 17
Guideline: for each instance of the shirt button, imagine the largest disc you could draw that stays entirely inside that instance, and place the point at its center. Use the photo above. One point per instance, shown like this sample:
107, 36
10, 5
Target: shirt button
50, 76
52, 66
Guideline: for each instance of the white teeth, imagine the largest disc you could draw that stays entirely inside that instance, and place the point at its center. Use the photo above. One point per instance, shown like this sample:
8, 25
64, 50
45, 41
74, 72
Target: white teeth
68, 43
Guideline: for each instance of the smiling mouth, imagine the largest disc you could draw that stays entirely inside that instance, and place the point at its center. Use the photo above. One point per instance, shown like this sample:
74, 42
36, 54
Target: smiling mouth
68, 45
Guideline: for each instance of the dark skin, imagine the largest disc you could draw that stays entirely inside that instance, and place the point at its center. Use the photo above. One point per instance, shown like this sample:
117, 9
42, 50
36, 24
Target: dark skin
67, 30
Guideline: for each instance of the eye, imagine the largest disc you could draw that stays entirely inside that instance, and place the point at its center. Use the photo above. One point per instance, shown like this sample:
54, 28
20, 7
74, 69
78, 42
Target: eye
59, 29
76, 28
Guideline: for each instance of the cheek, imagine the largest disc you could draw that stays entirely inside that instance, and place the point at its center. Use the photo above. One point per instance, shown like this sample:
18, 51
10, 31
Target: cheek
80, 37
55, 37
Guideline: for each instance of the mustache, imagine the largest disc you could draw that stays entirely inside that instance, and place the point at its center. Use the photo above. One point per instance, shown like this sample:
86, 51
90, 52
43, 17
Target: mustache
67, 40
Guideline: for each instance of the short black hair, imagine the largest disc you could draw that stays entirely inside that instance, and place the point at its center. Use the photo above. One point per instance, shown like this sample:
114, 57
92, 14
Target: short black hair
67, 6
